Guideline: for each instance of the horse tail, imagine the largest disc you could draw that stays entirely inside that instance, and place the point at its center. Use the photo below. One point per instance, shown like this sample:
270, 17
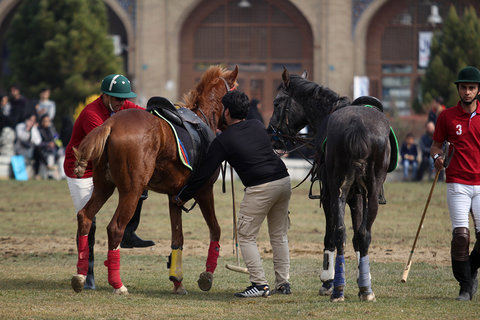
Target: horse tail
356, 145
91, 148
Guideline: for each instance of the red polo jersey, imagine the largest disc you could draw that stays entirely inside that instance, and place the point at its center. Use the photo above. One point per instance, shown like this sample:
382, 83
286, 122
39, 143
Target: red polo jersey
92, 116
463, 131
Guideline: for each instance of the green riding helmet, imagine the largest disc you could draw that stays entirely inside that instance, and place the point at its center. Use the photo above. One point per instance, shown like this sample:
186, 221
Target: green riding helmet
469, 74
117, 85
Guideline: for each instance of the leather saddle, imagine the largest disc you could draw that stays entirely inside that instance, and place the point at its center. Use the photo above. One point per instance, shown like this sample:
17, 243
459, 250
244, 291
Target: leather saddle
198, 131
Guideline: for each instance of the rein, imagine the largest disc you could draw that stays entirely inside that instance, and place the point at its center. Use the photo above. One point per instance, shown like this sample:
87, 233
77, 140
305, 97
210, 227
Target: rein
305, 140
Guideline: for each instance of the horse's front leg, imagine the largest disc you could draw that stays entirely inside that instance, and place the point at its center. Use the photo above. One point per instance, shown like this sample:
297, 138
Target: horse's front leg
328, 271
206, 202
175, 263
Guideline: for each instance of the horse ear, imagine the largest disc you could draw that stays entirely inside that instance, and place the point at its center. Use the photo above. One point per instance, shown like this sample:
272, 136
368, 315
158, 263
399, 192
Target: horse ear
304, 74
233, 75
285, 77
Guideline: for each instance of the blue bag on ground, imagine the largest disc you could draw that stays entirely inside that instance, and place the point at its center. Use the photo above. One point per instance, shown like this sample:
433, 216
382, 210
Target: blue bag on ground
19, 168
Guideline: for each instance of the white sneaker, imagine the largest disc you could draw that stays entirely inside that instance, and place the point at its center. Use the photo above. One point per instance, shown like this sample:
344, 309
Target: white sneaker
254, 291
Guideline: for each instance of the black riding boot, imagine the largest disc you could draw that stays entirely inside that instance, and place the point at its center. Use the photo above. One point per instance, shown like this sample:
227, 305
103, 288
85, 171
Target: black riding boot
130, 238
461, 272
475, 264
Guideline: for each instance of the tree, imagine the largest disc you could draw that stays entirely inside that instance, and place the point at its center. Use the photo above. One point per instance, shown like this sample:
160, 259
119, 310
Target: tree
63, 45
453, 48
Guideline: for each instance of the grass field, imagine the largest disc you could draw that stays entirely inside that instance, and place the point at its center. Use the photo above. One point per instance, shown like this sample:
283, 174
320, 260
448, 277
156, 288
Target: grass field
38, 257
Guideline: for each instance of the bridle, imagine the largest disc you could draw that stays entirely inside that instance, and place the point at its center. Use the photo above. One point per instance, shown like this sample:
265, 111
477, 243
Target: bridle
227, 87
298, 140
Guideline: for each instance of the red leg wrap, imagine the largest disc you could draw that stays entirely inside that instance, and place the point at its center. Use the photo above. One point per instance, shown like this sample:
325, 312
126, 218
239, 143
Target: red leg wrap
176, 283
113, 265
213, 252
82, 248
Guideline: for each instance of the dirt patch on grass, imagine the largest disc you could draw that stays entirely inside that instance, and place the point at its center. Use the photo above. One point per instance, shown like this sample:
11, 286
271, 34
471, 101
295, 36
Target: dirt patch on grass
16, 246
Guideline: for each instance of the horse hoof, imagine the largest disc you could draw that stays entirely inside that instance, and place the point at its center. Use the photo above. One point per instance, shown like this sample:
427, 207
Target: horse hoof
325, 291
121, 291
370, 297
78, 281
180, 290
205, 281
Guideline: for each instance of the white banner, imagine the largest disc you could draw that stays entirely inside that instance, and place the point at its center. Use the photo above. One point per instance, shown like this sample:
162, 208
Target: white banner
361, 86
424, 42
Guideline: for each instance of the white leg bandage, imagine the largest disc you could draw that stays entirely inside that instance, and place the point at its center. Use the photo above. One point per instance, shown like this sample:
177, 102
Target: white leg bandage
328, 271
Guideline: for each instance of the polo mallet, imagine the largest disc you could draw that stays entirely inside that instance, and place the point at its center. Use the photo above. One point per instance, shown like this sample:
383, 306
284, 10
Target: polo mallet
237, 267
448, 157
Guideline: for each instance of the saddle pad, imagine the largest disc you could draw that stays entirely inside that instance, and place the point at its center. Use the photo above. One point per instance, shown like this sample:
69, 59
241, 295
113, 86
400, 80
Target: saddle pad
183, 141
394, 151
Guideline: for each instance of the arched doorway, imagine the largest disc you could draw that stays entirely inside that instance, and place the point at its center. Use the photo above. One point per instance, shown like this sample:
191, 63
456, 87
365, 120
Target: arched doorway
392, 55
260, 39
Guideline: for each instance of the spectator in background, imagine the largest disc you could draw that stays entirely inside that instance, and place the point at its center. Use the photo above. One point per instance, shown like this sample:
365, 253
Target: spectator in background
20, 106
254, 112
65, 135
5, 105
424, 144
437, 108
45, 105
409, 157
28, 137
7, 134
47, 149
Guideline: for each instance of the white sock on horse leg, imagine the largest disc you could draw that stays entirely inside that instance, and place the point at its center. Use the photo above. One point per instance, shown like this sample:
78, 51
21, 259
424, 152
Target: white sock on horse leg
329, 272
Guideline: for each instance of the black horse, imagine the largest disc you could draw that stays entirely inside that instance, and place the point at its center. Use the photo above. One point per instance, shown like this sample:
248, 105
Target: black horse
352, 157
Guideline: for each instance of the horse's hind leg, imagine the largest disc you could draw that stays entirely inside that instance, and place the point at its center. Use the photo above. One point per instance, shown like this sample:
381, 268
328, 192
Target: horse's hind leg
126, 207
338, 209
362, 221
86, 235
175, 263
206, 203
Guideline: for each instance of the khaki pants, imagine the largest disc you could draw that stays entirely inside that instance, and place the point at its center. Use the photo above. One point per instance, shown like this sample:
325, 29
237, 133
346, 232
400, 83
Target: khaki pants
268, 200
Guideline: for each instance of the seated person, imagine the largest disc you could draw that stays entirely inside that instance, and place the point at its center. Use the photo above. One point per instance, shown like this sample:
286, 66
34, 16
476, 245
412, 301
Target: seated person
409, 154
48, 148
28, 137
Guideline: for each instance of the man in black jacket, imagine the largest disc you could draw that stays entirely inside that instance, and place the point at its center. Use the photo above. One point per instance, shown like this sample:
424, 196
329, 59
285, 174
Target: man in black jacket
246, 146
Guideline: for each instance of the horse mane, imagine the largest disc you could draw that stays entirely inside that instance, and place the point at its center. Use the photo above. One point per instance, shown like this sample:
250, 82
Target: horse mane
210, 78
324, 97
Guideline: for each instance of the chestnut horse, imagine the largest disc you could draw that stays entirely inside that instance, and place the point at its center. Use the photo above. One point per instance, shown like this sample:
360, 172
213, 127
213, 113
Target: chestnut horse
135, 150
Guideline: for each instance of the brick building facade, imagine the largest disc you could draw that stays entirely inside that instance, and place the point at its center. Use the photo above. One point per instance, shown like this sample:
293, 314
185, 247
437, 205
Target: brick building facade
168, 43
